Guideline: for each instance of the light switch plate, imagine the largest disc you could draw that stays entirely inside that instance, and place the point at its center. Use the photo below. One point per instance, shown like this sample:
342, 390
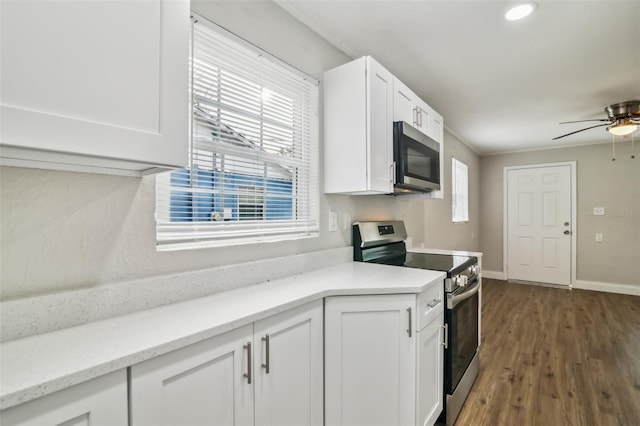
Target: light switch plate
599, 238
598, 211
333, 221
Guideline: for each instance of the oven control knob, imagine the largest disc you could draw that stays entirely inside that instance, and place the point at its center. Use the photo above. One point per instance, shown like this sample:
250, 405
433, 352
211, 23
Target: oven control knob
462, 280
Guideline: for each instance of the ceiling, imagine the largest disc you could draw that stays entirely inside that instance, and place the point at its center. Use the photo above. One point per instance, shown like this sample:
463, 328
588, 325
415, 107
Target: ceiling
500, 85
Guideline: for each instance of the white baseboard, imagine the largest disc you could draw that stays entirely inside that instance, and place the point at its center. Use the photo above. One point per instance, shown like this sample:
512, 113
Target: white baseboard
495, 275
630, 289
633, 290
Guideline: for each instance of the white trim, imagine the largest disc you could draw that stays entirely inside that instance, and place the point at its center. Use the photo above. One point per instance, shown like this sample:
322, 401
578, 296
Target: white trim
464, 142
494, 275
563, 146
630, 289
574, 214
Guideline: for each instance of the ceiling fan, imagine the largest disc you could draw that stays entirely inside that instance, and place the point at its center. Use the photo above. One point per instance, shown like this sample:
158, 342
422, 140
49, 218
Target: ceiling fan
623, 119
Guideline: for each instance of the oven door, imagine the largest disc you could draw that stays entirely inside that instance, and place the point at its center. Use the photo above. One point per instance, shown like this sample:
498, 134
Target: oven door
461, 317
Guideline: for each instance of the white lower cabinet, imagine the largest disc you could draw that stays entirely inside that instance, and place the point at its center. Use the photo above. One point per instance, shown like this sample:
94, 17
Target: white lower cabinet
99, 402
288, 365
217, 381
201, 384
379, 370
430, 375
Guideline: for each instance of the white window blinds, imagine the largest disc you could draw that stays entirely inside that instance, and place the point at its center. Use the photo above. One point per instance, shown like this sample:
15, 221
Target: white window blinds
253, 173
459, 191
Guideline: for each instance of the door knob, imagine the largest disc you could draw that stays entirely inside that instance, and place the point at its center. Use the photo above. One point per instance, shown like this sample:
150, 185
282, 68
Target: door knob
567, 232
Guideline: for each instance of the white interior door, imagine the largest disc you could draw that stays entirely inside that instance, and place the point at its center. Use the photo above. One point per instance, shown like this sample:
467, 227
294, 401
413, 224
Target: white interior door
539, 224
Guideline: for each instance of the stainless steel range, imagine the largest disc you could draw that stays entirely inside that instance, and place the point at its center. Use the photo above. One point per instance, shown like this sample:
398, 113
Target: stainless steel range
383, 242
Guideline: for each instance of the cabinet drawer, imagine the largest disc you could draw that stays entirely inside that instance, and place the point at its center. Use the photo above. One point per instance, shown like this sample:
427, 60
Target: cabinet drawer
430, 304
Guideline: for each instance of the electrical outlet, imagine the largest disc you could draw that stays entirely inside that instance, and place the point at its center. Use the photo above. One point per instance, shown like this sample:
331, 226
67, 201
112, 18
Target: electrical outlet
598, 211
599, 238
333, 221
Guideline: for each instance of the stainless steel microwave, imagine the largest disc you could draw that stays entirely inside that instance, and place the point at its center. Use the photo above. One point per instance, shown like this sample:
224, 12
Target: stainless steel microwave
417, 160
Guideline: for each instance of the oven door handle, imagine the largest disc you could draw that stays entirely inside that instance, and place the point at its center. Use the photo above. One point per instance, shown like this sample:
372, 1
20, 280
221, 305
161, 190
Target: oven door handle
452, 301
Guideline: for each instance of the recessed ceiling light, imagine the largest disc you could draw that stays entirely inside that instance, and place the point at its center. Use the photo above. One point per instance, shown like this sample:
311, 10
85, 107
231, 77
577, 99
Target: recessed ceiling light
520, 11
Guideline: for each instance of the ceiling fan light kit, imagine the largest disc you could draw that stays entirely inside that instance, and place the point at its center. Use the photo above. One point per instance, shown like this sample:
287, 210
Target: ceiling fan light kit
623, 127
622, 119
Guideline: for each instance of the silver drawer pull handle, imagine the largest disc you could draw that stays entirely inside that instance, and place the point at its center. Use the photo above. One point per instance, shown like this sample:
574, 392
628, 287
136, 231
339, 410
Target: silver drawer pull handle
434, 303
409, 329
248, 373
266, 364
446, 336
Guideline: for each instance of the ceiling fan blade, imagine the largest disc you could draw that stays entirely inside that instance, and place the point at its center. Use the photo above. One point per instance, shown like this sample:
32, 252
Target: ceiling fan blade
581, 130
582, 121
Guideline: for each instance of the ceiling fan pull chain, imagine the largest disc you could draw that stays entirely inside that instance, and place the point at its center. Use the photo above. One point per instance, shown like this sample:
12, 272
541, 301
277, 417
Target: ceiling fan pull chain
633, 147
613, 148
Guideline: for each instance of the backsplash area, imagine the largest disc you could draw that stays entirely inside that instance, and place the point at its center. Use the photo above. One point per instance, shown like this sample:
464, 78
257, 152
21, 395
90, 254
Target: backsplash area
41, 314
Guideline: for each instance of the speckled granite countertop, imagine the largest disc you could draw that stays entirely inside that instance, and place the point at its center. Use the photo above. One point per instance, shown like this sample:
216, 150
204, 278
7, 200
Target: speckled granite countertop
38, 365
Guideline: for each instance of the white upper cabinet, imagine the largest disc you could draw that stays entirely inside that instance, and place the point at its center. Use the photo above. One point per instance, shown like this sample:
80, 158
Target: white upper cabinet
95, 86
358, 128
408, 107
404, 104
361, 102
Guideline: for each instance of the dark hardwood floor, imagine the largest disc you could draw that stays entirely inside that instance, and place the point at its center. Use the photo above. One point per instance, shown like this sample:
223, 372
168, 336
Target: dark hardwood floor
556, 357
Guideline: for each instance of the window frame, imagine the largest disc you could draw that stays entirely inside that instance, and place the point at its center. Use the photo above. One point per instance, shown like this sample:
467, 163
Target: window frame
288, 178
459, 170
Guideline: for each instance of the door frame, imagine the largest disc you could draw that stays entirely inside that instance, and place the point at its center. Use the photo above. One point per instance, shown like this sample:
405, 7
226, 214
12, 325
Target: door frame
574, 216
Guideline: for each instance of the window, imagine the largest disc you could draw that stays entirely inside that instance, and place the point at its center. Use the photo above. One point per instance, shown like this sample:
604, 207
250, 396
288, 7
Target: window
250, 203
253, 170
459, 191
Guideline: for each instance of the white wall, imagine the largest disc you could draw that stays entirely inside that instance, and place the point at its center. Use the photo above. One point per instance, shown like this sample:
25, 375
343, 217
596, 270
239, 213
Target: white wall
63, 230
439, 229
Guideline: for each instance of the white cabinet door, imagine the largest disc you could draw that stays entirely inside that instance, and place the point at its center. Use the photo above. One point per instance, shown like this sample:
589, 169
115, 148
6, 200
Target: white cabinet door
358, 128
370, 360
408, 107
95, 85
430, 373
380, 123
404, 103
98, 402
290, 392
202, 384
435, 128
